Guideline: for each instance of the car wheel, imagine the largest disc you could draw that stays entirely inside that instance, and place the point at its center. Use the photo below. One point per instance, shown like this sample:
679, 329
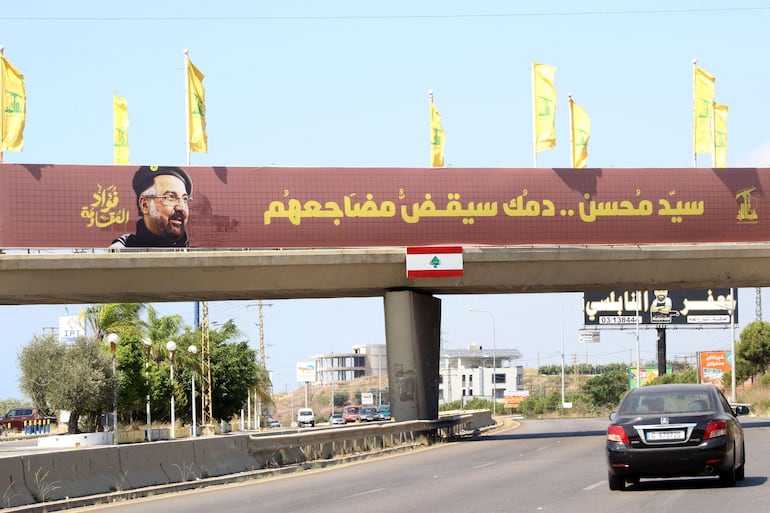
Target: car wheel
616, 482
728, 477
740, 473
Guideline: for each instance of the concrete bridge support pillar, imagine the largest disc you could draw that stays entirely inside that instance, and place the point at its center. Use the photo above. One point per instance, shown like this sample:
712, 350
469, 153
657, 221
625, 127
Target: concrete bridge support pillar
413, 337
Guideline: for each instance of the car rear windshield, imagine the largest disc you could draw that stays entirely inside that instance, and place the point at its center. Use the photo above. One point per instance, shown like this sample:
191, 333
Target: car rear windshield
662, 402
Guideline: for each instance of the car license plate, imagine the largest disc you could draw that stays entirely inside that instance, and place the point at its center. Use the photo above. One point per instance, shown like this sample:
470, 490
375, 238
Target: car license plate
665, 435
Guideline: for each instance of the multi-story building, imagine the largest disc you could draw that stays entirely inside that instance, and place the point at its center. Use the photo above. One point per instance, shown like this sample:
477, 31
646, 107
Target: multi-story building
364, 360
468, 373
463, 373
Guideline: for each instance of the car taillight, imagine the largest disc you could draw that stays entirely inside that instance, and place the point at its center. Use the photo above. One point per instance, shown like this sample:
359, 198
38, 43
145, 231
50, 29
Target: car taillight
715, 429
617, 434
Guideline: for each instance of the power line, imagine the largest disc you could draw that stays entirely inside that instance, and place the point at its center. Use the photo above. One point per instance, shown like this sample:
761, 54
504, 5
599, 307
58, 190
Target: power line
635, 12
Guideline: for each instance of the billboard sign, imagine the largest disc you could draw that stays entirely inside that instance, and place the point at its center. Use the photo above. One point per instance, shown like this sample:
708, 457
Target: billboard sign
647, 375
589, 336
306, 372
712, 365
660, 307
90, 206
70, 328
514, 398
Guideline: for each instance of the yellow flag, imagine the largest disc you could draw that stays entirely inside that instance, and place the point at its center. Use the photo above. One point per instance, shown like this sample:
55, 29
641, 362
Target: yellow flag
580, 132
720, 135
13, 106
120, 129
703, 102
436, 138
544, 105
196, 109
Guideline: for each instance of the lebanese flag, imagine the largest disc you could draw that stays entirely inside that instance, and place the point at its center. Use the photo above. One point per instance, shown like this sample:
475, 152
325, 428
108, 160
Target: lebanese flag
434, 261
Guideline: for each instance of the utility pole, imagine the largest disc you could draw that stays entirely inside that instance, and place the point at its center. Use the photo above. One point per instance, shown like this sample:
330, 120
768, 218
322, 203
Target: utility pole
207, 414
262, 357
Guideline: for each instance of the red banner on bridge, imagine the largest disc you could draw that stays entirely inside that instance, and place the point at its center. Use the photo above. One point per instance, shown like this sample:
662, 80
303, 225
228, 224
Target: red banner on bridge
69, 206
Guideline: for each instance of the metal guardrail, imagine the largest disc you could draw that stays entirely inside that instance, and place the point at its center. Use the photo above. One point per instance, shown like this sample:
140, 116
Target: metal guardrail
305, 446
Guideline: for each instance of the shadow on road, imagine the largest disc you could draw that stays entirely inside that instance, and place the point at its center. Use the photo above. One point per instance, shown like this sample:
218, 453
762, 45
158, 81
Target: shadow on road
691, 484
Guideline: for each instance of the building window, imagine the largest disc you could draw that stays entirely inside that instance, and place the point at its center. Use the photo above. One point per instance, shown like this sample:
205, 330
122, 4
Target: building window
499, 378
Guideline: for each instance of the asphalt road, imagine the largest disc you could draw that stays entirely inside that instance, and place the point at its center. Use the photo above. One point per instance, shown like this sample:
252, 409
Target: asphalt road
540, 466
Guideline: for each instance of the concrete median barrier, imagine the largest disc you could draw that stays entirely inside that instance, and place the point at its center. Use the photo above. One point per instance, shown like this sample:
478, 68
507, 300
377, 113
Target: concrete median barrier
76, 473
220, 456
153, 464
13, 490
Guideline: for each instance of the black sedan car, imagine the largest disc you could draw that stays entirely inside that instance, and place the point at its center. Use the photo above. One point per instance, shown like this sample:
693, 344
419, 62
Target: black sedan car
681, 430
369, 414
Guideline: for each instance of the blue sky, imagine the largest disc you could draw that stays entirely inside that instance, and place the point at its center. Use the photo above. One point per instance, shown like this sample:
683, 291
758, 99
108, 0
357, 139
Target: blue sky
343, 83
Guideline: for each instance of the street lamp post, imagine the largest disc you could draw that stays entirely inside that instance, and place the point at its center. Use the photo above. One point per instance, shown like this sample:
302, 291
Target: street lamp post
147, 355
171, 348
494, 361
112, 342
193, 351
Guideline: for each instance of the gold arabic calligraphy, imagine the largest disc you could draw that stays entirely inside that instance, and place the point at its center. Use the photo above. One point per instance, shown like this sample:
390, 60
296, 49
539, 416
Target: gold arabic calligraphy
103, 212
589, 210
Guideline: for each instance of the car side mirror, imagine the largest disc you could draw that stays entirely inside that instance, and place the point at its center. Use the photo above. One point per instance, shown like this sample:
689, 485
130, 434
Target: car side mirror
613, 415
741, 409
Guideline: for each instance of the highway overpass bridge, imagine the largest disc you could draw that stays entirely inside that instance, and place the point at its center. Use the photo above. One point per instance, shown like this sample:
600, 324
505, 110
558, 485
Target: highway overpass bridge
412, 312
521, 230
195, 275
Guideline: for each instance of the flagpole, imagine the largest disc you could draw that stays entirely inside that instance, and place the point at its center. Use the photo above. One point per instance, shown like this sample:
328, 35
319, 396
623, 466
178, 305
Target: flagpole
2, 110
534, 118
694, 116
430, 100
571, 132
714, 134
187, 101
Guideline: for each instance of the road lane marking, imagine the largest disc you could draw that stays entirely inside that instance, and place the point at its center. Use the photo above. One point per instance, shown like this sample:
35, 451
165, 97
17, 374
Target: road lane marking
591, 487
360, 494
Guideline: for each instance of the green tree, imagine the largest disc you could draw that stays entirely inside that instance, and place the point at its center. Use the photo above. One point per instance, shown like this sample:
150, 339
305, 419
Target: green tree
75, 377
605, 390
38, 365
689, 376
85, 385
753, 350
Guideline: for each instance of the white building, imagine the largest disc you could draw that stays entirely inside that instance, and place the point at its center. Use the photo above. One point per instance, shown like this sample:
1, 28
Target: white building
467, 373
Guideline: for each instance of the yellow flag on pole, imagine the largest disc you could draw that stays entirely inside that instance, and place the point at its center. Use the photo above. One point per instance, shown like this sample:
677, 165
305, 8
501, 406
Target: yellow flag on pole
196, 109
13, 107
544, 105
720, 135
436, 137
580, 132
703, 97
120, 129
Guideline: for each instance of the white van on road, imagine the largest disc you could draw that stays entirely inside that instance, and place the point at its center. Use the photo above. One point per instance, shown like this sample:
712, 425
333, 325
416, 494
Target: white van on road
305, 417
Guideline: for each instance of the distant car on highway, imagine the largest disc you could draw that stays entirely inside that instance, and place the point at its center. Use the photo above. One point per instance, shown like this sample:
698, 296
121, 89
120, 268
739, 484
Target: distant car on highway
336, 418
274, 423
679, 430
350, 413
305, 417
368, 414
384, 411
